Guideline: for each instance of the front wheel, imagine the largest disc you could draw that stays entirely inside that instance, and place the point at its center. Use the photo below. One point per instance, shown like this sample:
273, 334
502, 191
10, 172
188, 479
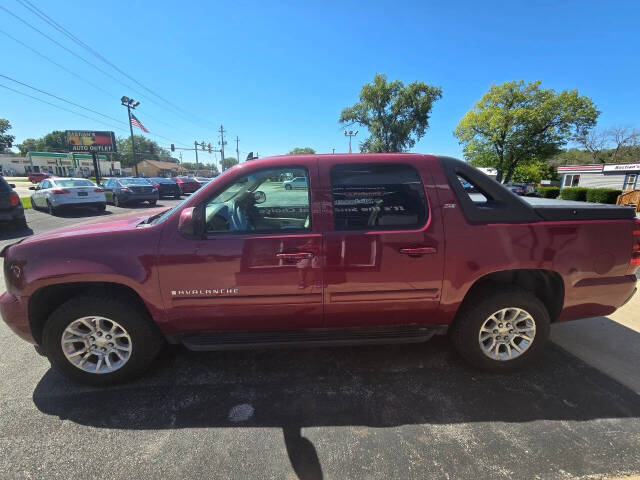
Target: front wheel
287, 187
100, 339
501, 329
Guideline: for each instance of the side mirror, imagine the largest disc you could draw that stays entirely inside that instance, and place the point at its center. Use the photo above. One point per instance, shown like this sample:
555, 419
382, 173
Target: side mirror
12, 185
30, 188
259, 196
191, 222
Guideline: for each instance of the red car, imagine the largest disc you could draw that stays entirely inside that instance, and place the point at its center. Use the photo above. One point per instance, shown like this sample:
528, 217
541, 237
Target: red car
379, 248
188, 184
37, 177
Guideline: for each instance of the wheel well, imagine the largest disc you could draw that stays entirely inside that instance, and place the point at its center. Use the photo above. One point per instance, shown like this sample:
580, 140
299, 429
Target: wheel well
46, 299
547, 285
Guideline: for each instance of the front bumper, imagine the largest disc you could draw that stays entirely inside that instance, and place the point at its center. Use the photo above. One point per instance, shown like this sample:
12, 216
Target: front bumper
15, 314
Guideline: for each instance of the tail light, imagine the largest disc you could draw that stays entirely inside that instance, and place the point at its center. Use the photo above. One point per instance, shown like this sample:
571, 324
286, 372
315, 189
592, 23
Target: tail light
635, 252
98, 190
60, 191
14, 199
156, 186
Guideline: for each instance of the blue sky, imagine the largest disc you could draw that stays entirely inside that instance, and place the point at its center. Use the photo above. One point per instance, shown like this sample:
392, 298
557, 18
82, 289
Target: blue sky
277, 74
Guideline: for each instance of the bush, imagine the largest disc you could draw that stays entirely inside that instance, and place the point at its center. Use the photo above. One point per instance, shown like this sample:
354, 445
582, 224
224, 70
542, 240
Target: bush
603, 195
574, 193
549, 192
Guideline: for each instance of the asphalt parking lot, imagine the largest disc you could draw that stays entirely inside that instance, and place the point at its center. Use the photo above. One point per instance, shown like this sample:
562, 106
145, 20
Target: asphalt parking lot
368, 412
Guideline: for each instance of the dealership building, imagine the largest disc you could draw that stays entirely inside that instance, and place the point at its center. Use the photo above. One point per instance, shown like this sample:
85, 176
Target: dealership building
60, 164
621, 176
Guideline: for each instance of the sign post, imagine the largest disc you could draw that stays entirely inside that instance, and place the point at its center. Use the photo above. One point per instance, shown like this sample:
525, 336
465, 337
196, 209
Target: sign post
83, 141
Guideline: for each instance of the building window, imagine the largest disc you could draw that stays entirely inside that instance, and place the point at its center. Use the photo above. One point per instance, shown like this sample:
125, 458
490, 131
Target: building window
630, 181
377, 197
571, 181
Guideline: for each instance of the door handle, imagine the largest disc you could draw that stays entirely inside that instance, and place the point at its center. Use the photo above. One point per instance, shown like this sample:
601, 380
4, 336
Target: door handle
295, 256
416, 252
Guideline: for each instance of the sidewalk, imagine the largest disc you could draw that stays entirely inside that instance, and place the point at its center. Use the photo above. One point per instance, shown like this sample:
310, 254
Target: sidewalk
610, 344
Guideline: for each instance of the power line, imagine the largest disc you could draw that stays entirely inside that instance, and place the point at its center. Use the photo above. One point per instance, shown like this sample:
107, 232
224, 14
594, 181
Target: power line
84, 59
70, 35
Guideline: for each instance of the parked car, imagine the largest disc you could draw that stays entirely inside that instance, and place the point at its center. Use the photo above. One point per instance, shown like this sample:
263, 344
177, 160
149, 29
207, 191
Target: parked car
203, 180
523, 189
298, 182
130, 190
188, 184
385, 248
54, 194
167, 187
10, 205
37, 177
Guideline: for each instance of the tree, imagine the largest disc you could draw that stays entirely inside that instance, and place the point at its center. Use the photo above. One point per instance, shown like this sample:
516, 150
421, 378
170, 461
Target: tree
301, 151
228, 162
516, 123
393, 113
609, 145
534, 172
145, 150
6, 140
55, 141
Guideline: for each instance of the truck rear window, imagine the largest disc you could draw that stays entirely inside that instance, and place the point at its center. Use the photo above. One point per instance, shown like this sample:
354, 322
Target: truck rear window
377, 196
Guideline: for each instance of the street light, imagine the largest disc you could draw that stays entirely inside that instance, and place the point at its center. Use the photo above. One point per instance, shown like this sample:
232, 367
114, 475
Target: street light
350, 134
131, 103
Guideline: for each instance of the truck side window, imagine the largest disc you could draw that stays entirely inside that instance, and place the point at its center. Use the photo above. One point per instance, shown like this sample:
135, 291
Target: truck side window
474, 192
262, 201
377, 196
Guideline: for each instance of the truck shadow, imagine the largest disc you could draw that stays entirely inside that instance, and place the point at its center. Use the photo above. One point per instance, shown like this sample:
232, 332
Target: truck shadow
291, 389
9, 232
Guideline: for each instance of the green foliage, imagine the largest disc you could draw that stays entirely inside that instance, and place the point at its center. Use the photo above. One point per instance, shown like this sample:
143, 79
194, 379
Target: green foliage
516, 124
229, 162
5, 138
55, 141
549, 192
301, 150
393, 113
26, 202
574, 193
202, 167
603, 195
145, 150
534, 172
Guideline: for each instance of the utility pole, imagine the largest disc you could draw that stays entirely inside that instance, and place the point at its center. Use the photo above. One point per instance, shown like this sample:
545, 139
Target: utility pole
222, 143
237, 149
334, 151
131, 103
196, 145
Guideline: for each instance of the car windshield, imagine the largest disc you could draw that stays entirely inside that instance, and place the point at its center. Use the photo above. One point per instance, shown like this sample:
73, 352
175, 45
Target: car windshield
134, 181
74, 183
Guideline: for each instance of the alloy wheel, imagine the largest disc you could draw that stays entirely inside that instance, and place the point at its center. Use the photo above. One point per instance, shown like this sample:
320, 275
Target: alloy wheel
507, 334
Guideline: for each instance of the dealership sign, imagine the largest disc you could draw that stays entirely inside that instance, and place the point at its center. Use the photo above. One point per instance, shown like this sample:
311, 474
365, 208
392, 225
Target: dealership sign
623, 167
79, 141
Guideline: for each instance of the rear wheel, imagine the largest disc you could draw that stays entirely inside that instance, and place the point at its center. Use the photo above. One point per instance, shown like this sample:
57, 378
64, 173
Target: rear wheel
101, 340
501, 329
51, 209
153, 202
176, 196
116, 202
102, 207
287, 187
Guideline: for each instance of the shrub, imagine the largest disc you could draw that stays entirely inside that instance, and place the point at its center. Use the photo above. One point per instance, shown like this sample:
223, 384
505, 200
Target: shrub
574, 193
603, 195
549, 192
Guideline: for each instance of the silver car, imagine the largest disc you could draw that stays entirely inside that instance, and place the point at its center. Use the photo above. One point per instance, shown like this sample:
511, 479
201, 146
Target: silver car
54, 194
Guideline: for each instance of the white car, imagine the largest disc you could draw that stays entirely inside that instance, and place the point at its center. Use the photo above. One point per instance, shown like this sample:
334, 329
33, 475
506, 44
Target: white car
298, 182
53, 194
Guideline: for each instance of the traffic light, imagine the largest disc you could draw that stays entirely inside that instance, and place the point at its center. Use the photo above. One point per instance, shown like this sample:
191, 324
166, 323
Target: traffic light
209, 146
173, 147
202, 145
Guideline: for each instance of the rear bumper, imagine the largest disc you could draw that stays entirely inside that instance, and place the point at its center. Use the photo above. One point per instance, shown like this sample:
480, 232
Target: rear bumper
169, 192
15, 314
137, 197
15, 213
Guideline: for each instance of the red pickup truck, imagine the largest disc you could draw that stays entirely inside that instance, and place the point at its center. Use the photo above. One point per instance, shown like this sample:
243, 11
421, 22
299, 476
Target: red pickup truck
379, 248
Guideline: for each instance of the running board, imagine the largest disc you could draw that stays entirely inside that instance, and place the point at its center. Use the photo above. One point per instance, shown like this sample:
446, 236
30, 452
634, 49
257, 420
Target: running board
311, 337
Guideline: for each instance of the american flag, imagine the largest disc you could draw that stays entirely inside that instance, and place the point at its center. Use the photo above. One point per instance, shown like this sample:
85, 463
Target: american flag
136, 123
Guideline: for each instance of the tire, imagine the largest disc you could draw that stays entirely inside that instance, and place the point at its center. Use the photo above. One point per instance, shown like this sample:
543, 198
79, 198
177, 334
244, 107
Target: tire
51, 209
144, 339
33, 204
153, 203
483, 309
116, 202
287, 187
102, 207
176, 196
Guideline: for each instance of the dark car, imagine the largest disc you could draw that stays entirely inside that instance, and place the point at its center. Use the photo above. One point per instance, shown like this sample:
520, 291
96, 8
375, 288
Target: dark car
523, 189
167, 187
10, 205
188, 184
381, 248
130, 190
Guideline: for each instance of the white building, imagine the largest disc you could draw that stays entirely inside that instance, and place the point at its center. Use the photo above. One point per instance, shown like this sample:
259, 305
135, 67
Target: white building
621, 176
60, 164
